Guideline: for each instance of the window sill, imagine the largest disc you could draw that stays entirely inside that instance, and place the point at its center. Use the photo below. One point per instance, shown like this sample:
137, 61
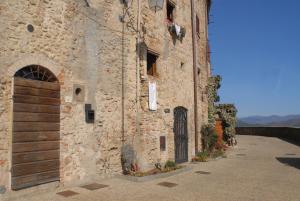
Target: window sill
153, 76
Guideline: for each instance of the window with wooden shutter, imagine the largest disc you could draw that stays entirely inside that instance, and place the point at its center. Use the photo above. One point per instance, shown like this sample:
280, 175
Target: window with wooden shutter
152, 63
170, 11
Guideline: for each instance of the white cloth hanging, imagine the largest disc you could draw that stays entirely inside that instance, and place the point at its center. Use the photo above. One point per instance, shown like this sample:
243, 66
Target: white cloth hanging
177, 28
152, 96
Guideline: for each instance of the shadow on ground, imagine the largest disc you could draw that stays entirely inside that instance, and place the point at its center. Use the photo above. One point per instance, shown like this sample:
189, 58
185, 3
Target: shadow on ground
294, 142
293, 162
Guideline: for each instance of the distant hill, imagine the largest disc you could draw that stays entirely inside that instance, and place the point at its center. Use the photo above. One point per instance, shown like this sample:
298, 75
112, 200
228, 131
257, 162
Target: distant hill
244, 124
273, 121
288, 123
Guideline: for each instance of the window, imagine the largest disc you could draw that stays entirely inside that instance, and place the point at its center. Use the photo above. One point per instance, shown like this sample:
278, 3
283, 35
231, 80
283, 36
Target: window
151, 63
197, 25
170, 11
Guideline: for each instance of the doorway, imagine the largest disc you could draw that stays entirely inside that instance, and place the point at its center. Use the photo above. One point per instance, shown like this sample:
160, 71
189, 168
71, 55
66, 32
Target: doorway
36, 127
181, 135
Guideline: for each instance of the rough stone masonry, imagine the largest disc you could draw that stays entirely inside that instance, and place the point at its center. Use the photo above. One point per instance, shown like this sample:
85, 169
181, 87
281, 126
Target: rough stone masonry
91, 48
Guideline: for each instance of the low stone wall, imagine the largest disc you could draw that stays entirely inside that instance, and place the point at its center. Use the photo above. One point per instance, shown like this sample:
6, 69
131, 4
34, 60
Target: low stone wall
280, 132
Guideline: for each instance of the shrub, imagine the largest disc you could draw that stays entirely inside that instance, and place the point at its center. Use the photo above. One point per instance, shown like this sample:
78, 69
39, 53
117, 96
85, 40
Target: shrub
210, 137
217, 153
202, 156
170, 165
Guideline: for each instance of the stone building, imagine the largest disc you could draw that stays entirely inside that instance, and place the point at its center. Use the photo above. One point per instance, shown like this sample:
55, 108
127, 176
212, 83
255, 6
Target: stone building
83, 81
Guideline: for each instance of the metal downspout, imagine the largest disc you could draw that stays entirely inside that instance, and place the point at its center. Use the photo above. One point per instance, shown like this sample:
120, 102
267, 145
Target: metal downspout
195, 74
138, 41
123, 80
138, 49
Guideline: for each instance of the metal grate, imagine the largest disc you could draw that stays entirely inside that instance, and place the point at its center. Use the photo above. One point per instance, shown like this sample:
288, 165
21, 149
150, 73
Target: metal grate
67, 193
94, 186
36, 72
167, 184
202, 172
181, 134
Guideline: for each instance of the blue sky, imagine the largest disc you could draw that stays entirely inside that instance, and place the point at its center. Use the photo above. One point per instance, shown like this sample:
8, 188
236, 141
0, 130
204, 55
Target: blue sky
255, 47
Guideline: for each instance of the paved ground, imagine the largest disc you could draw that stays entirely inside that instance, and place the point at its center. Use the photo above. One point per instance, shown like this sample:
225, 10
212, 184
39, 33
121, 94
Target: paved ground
259, 169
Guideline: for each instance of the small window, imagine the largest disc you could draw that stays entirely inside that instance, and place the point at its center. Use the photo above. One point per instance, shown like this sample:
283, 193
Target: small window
197, 25
170, 11
151, 63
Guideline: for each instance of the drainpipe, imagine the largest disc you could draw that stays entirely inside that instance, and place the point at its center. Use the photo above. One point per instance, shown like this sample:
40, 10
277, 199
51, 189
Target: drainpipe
206, 38
123, 79
138, 49
195, 73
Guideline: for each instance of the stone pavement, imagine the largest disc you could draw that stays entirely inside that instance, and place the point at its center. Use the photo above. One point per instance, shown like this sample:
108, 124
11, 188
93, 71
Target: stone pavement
258, 169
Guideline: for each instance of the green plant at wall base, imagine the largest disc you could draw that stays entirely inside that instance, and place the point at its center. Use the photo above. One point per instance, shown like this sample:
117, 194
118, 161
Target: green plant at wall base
202, 156
170, 165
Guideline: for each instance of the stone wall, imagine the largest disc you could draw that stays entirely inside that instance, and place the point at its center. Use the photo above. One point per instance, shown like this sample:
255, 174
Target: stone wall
288, 133
87, 45
204, 65
69, 40
174, 82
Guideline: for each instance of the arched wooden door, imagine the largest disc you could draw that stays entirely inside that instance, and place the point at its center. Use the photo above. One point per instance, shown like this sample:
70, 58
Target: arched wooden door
180, 135
36, 125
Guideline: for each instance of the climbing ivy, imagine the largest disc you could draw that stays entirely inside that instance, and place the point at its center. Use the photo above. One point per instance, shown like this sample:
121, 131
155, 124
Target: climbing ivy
214, 83
227, 113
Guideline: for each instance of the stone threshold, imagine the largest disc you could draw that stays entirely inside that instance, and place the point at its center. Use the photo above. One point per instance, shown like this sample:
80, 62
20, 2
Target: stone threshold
156, 176
51, 187
27, 192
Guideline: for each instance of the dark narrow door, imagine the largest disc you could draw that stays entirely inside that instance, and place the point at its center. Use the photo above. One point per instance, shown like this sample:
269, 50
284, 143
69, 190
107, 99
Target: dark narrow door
36, 125
181, 135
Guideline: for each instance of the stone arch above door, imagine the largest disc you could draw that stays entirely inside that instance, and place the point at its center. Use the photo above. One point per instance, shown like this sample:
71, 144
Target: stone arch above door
36, 72
35, 59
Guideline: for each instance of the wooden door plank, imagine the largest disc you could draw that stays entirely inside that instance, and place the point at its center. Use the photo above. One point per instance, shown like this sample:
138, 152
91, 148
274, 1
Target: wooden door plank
18, 158
23, 107
36, 92
35, 100
35, 117
36, 136
35, 179
36, 84
35, 146
35, 167
35, 126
